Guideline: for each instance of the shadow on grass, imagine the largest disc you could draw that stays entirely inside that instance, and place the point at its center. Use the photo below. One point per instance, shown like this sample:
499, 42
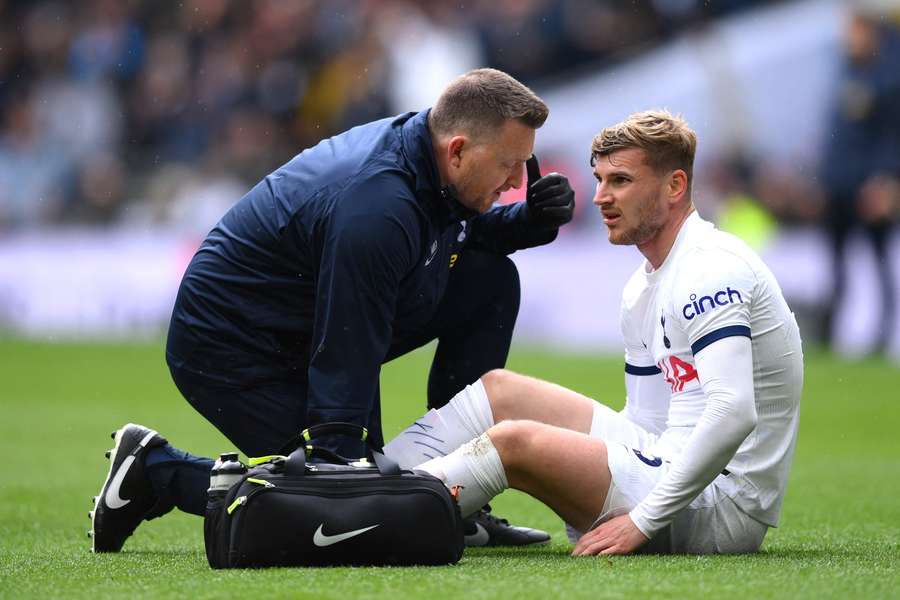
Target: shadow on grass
799, 554
179, 553
531, 552
802, 555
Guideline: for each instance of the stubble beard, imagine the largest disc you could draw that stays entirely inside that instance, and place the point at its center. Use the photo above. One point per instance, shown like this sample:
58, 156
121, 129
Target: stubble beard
467, 199
649, 223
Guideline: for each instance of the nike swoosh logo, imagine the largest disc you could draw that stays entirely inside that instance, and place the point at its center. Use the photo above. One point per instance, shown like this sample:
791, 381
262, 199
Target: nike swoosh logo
479, 538
113, 500
322, 540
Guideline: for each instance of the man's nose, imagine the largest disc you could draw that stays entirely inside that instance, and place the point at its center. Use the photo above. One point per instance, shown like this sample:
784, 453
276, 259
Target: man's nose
517, 178
601, 196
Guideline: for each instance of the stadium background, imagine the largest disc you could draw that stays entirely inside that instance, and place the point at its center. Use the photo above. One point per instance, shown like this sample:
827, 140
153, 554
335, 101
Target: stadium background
128, 128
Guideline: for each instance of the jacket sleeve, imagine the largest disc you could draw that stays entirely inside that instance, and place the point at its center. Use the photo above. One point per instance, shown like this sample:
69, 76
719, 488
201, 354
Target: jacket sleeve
367, 249
504, 229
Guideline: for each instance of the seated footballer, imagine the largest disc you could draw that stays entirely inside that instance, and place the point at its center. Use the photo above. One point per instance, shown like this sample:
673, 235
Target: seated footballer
698, 460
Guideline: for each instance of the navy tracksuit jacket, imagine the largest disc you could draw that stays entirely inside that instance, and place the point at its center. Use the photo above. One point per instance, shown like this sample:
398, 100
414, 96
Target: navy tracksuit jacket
314, 272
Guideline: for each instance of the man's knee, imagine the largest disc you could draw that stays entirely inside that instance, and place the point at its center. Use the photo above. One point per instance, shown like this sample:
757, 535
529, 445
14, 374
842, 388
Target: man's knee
506, 277
258, 420
496, 275
515, 441
507, 271
500, 385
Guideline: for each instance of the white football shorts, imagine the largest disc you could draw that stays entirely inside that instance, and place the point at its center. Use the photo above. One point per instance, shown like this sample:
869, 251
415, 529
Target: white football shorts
711, 524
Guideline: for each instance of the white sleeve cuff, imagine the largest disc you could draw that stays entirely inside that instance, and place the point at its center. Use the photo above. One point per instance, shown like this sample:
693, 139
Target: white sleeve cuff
649, 527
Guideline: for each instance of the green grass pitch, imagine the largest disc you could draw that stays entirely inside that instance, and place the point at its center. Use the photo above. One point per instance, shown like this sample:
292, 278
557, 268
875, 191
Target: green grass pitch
839, 538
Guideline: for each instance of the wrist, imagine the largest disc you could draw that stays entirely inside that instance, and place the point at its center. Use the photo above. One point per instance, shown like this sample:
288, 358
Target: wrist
647, 526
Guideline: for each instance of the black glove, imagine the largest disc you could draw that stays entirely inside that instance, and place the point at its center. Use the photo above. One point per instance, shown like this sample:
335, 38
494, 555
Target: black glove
550, 200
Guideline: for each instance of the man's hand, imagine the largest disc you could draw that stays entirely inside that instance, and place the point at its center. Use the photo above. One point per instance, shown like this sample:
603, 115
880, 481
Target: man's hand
550, 199
619, 535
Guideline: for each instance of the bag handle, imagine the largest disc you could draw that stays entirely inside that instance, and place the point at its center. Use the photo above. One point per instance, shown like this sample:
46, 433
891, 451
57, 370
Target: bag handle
336, 428
296, 460
295, 464
306, 436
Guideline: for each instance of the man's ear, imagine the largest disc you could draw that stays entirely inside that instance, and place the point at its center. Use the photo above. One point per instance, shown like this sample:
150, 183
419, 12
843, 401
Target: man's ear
678, 185
455, 148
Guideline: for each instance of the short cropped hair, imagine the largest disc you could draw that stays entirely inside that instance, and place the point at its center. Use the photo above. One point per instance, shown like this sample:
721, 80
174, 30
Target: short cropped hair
667, 140
480, 101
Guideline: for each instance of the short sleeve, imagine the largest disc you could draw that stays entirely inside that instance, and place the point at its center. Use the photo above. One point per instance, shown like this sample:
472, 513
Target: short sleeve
638, 360
712, 295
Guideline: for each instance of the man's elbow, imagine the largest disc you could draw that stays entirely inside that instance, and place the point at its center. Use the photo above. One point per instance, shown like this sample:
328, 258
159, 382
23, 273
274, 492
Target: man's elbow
747, 418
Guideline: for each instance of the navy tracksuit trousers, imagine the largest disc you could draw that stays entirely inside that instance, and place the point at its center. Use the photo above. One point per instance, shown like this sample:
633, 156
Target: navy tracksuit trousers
473, 324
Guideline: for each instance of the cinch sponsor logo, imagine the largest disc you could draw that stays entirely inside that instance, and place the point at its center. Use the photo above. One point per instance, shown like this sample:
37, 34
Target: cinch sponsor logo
720, 298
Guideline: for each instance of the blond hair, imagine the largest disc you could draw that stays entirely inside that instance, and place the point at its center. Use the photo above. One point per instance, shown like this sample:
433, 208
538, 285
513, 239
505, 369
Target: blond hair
667, 140
480, 101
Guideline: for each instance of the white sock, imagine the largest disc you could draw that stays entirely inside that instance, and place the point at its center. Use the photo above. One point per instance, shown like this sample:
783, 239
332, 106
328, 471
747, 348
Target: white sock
475, 468
440, 432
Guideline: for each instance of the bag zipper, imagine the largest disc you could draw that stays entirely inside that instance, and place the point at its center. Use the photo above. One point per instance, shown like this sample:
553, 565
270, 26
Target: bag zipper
240, 501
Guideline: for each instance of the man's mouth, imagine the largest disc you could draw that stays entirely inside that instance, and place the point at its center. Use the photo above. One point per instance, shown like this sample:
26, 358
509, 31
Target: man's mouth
611, 218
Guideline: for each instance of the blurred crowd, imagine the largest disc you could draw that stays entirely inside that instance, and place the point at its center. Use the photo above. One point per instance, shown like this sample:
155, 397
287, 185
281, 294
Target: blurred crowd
854, 188
168, 111
132, 111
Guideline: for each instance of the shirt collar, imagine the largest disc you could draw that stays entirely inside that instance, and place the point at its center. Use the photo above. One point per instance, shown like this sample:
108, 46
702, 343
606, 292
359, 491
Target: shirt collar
693, 221
420, 154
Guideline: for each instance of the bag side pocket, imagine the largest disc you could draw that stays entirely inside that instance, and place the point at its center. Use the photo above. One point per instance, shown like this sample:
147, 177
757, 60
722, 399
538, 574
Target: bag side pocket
216, 532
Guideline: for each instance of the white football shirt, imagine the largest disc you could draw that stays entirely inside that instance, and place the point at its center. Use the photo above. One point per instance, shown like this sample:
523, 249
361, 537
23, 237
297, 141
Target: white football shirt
710, 287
